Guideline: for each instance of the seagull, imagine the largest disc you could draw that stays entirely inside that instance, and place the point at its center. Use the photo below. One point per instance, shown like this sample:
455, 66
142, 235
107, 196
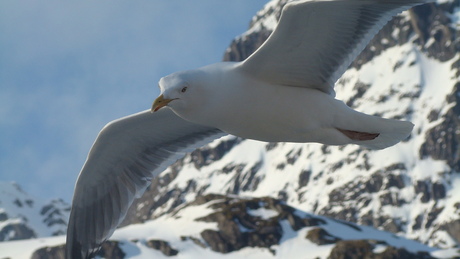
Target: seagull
283, 92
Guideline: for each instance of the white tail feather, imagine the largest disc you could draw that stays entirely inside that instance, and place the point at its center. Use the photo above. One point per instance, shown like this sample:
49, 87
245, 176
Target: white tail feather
394, 132
390, 131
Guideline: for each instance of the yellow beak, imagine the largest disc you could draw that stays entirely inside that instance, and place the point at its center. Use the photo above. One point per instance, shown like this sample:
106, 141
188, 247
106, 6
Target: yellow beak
159, 103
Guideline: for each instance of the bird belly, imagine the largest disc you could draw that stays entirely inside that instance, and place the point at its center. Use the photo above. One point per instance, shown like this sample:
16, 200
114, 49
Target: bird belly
281, 114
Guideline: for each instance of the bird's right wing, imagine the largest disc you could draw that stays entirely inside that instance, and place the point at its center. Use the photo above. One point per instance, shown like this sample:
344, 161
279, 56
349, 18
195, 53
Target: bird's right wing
315, 41
126, 155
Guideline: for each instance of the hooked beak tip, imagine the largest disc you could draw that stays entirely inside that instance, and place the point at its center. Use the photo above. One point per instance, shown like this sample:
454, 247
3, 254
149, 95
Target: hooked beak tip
159, 103
154, 109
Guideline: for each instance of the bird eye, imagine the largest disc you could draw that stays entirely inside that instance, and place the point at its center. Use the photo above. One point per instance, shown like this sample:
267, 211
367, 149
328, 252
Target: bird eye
184, 89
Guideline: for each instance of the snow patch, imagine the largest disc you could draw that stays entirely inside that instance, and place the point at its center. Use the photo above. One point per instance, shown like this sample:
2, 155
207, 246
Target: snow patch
263, 213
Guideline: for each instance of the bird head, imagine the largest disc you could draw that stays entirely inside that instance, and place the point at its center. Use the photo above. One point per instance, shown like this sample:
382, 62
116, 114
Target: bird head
180, 92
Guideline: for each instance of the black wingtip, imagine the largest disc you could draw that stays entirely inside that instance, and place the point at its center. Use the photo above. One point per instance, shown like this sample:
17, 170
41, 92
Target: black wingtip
73, 248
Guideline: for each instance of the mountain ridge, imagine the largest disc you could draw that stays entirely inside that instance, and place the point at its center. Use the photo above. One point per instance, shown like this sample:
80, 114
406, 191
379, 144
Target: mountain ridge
23, 216
233, 227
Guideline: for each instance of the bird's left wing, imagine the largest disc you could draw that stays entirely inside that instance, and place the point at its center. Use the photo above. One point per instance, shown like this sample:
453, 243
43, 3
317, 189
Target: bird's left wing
315, 41
126, 155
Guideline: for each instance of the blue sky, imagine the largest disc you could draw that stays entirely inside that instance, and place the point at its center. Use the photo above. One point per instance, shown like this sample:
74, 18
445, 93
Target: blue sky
69, 67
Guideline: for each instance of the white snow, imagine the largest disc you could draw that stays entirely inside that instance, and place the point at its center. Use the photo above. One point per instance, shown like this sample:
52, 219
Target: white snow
263, 213
446, 253
24, 248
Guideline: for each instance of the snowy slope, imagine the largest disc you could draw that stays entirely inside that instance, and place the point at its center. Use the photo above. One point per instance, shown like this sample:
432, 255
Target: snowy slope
23, 216
271, 229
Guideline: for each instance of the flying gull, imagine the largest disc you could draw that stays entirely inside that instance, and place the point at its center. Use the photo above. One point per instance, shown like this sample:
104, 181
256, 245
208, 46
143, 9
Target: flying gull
282, 92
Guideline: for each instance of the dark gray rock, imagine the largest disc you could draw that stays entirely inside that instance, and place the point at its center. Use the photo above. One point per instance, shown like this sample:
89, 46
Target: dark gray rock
418, 222
423, 188
205, 156
320, 236
351, 249
438, 190
304, 178
292, 156
241, 48
55, 252
162, 246
392, 225
359, 90
246, 180
3, 216
363, 249
442, 141
431, 22
16, 231
271, 145
391, 198
453, 228
395, 181
432, 215
401, 253
109, 249
283, 196
435, 191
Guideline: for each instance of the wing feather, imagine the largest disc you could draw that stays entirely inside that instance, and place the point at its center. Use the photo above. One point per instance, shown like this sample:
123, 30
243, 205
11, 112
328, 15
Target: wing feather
126, 155
316, 41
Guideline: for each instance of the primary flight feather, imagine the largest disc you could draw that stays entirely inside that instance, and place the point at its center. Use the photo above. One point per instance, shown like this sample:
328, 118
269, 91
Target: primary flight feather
282, 92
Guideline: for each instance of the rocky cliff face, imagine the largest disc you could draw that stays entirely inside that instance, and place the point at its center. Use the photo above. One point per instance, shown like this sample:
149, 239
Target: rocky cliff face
24, 217
410, 71
215, 225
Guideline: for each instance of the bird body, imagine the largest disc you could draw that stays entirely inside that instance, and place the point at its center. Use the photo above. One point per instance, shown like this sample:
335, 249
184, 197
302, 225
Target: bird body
283, 92
239, 104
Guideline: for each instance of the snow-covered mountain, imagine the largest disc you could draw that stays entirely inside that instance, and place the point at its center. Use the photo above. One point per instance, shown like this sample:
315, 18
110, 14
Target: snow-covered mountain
312, 200
218, 226
24, 217
410, 71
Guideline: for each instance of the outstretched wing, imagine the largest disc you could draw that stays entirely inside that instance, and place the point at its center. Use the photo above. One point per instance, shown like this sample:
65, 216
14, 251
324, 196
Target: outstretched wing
127, 154
315, 41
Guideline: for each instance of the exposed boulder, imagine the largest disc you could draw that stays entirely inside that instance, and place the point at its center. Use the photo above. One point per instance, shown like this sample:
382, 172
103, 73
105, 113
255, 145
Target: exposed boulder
320, 236
249, 222
351, 249
364, 249
109, 249
16, 230
55, 252
162, 246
